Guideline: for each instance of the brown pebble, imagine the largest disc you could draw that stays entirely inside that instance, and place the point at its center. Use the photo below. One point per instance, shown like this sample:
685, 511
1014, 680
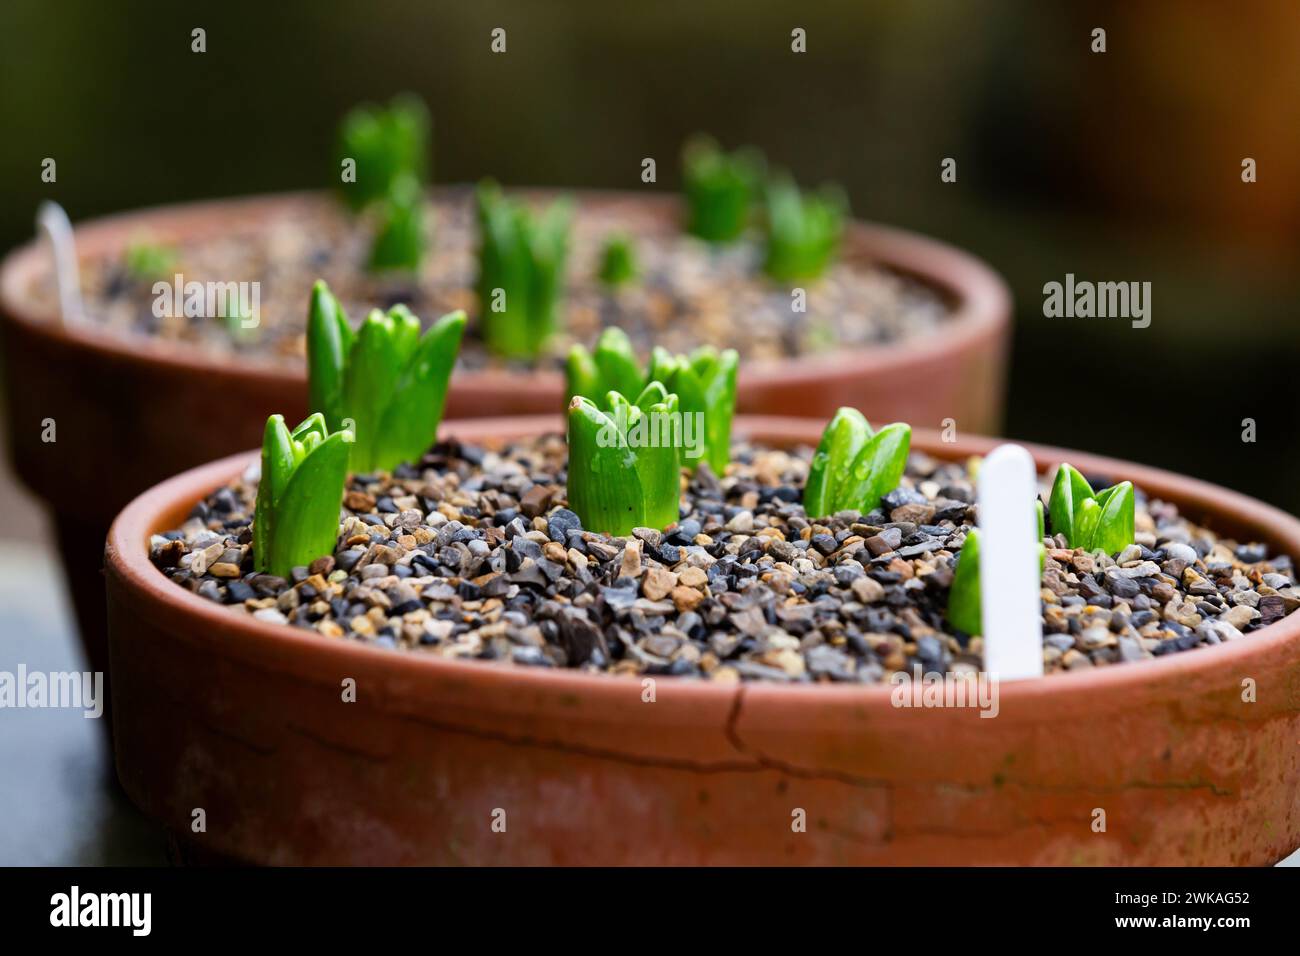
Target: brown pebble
359, 501
658, 583
1073, 659
536, 500
630, 566
902, 568
914, 513
867, 590
686, 598
693, 578
169, 555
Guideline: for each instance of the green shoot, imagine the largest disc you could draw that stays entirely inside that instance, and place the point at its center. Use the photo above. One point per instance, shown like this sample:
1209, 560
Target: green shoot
853, 468
964, 607
803, 230
148, 261
618, 266
621, 474
611, 366
704, 383
399, 239
721, 190
965, 610
296, 519
383, 144
1090, 520
386, 383
522, 259
237, 314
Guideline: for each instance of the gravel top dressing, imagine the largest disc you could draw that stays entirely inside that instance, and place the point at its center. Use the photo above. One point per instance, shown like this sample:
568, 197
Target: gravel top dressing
473, 554
689, 293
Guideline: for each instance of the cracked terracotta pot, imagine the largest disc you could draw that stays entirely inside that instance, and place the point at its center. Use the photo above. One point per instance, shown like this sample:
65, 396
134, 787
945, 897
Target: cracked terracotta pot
131, 411
245, 719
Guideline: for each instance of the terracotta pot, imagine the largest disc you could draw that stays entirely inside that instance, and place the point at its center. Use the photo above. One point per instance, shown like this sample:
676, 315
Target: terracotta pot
133, 411
246, 720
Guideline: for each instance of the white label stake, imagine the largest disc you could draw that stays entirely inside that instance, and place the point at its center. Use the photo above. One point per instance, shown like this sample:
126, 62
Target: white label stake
1009, 570
53, 222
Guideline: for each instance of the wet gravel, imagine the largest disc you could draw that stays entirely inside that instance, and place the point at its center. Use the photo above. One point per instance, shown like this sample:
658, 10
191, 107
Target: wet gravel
472, 554
690, 293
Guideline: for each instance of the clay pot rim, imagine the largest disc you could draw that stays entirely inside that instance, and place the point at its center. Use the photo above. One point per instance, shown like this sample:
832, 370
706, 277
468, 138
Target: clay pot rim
153, 595
980, 299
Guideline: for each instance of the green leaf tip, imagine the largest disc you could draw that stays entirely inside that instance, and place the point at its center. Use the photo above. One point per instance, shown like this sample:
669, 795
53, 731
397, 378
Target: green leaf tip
803, 229
721, 189
624, 465
522, 259
618, 264
616, 364
386, 384
854, 467
1091, 520
965, 609
711, 375
296, 519
704, 383
611, 366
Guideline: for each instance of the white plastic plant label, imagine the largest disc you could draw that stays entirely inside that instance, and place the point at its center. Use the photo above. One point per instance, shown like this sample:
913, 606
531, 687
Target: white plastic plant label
1009, 565
53, 222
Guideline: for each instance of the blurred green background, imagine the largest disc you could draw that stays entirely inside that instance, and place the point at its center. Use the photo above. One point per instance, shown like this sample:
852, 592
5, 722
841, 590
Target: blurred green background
1122, 166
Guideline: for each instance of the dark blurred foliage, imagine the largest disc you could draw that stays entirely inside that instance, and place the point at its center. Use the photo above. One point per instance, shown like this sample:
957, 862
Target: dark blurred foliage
1117, 166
